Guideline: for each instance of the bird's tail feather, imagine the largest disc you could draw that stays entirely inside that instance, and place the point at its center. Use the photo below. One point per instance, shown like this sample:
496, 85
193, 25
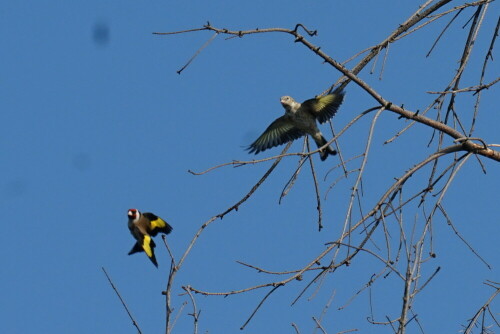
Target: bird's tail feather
136, 249
323, 154
153, 259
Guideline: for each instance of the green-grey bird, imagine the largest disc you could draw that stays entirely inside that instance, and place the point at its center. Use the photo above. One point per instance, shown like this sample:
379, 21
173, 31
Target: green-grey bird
300, 119
143, 226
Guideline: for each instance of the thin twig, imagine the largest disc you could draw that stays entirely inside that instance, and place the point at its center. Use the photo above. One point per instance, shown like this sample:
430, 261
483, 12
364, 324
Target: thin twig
316, 190
197, 53
489, 55
258, 306
442, 32
481, 310
261, 270
122, 301
327, 306
195, 313
168, 293
291, 182
318, 325
164, 238
450, 223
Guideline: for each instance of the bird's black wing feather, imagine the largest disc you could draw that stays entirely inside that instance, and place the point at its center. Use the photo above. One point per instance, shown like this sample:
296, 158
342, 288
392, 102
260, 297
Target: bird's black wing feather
324, 107
150, 216
157, 224
281, 131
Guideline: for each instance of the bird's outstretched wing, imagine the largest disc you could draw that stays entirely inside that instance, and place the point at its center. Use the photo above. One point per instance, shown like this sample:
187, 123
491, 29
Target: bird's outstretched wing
157, 224
281, 131
324, 107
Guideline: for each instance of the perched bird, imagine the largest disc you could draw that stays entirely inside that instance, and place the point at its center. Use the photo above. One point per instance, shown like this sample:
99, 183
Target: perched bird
143, 226
299, 120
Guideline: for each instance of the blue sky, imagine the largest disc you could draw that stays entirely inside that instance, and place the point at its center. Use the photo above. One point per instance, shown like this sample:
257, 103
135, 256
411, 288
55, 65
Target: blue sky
92, 128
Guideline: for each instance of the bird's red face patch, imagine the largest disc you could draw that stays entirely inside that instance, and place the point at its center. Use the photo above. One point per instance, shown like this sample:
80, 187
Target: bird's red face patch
132, 213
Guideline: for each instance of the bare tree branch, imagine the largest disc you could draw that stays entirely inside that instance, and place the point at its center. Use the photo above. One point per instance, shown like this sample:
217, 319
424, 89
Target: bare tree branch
136, 325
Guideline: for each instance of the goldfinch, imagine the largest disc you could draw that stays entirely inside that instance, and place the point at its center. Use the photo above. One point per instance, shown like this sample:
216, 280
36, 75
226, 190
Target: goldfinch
143, 227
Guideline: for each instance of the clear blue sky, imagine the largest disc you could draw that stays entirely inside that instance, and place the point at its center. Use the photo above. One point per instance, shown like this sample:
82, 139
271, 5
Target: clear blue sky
95, 120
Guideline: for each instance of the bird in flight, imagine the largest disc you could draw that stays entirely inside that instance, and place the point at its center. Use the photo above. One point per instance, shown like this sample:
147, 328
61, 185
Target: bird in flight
300, 119
143, 227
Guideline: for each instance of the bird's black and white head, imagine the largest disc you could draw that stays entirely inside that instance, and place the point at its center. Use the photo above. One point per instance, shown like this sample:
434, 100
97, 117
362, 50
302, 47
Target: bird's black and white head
133, 214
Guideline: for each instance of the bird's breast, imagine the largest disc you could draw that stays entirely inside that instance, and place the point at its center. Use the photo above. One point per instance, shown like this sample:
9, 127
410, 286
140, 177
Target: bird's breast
305, 122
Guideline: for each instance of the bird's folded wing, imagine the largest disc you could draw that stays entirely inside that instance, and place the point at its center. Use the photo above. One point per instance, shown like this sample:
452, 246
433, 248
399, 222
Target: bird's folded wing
157, 224
281, 131
324, 107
